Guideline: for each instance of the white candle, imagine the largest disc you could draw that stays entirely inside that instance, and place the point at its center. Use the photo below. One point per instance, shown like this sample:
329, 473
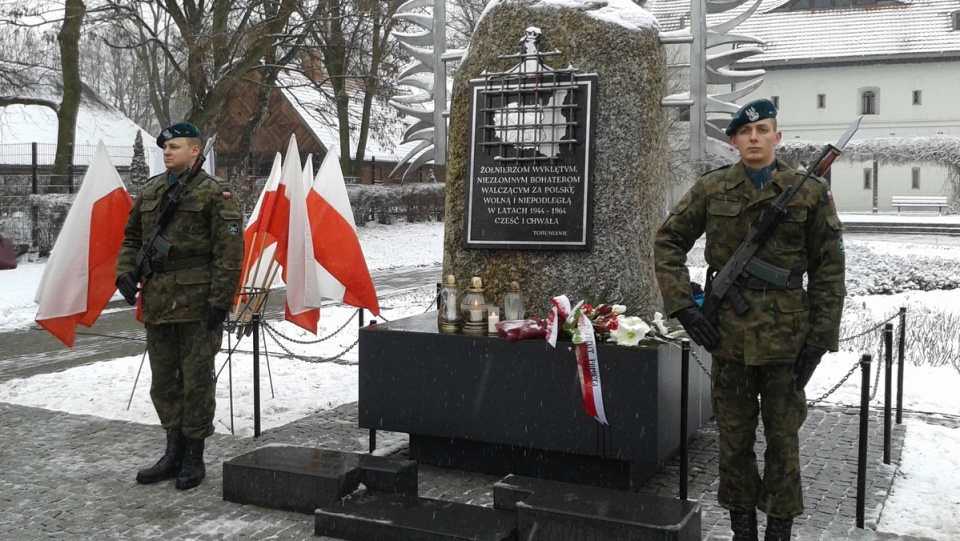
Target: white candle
492, 321
452, 309
476, 315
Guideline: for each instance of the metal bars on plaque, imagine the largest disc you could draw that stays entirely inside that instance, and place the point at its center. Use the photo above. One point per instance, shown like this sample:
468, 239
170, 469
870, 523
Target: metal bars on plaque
531, 155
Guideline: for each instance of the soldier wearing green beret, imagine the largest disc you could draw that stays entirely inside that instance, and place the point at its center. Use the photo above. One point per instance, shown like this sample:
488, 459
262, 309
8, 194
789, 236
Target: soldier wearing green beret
762, 358
184, 303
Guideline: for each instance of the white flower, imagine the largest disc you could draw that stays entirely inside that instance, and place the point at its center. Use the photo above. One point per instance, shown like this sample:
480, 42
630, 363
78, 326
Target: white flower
630, 330
661, 326
619, 309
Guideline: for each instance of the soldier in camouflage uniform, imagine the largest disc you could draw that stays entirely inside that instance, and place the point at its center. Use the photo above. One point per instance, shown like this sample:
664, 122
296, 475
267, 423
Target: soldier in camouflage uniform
185, 301
763, 358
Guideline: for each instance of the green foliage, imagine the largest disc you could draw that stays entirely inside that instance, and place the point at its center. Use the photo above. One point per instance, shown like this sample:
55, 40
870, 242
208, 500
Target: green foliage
139, 171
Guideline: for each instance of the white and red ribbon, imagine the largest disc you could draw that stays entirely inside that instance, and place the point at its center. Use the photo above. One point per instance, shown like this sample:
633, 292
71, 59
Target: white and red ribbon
588, 365
559, 312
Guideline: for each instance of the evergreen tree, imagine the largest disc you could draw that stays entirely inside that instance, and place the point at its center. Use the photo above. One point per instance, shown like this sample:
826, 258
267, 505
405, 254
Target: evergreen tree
139, 172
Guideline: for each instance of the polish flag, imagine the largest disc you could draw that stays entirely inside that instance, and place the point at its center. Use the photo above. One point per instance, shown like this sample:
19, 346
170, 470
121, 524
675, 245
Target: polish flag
343, 274
295, 245
259, 245
79, 277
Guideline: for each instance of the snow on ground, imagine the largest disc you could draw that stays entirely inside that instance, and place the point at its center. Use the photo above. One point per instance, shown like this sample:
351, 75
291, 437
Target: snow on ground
924, 499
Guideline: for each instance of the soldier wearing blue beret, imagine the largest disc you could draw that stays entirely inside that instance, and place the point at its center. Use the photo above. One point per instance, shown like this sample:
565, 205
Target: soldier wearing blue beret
180, 129
764, 356
185, 299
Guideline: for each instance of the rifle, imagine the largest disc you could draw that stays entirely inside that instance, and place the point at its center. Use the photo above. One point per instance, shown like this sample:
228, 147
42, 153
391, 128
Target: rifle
742, 262
154, 242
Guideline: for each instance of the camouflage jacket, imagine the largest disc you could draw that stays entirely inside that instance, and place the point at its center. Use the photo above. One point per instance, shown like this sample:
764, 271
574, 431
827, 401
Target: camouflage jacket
207, 225
724, 203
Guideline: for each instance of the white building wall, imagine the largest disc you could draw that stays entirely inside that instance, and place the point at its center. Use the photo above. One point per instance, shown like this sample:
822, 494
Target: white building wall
800, 118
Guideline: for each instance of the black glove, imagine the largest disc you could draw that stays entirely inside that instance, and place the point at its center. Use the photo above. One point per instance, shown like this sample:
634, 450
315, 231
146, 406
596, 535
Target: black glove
806, 363
128, 287
214, 317
698, 328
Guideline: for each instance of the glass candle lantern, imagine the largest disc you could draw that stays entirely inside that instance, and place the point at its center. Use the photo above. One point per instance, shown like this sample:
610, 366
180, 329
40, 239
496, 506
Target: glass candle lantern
513, 303
473, 308
449, 318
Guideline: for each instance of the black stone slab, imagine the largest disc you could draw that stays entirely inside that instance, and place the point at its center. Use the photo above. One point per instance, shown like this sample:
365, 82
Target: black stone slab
522, 394
380, 516
496, 459
554, 510
295, 479
389, 475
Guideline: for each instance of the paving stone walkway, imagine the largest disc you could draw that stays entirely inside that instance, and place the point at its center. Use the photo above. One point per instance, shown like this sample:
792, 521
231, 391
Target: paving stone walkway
68, 476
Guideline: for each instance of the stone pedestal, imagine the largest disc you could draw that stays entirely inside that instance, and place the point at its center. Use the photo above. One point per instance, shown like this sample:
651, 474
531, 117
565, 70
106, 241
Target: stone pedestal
485, 404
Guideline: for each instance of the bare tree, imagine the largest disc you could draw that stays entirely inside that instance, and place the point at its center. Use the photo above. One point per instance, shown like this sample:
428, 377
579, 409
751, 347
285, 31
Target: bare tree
69, 17
357, 59
207, 48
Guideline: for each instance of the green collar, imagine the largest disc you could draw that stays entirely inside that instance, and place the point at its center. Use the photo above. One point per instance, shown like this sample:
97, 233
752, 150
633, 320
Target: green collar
759, 177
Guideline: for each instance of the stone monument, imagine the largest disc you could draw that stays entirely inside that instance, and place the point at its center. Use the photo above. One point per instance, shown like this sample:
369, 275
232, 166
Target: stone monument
557, 154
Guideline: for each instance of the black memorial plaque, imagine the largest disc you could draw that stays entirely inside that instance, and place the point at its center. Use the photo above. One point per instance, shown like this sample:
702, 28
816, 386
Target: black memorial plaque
531, 161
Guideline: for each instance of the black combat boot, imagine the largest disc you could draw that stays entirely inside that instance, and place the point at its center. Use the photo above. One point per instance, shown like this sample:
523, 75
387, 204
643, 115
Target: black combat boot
744, 525
169, 463
778, 529
193, 470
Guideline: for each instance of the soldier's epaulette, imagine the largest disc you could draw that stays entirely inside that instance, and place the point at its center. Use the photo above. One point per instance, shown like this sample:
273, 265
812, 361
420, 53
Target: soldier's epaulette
728, 166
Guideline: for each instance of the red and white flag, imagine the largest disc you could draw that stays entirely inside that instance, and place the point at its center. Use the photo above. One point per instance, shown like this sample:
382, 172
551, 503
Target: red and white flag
290, 225
343, 273
79, 277
259, 246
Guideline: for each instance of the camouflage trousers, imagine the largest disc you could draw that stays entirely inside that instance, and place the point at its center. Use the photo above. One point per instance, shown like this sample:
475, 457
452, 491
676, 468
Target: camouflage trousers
741, 395
184, 386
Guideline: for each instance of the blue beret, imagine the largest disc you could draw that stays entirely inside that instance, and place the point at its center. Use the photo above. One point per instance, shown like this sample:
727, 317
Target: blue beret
180, 129
751, 112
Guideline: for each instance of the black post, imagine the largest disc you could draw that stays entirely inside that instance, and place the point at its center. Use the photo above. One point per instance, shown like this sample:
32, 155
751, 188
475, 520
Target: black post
888, 392
900, 352
256, 375
34, 169
439, 287
373, 440
360, 316
70, 188
684, 399
864, 424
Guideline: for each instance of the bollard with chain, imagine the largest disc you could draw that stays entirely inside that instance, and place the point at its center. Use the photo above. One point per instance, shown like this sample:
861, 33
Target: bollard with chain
888, 391
900, 356
862, 454
684, 411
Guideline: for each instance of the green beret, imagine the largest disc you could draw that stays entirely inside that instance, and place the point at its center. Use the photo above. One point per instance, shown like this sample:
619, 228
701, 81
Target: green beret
180, 129
751, 112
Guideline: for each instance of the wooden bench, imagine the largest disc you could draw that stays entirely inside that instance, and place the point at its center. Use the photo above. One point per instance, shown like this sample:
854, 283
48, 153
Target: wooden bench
939, 201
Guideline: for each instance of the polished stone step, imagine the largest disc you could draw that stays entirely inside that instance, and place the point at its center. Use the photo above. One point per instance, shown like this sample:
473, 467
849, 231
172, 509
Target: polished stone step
370, 515
556, 510
301, 479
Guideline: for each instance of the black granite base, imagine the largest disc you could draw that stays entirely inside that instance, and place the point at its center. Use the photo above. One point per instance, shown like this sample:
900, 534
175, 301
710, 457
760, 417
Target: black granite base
370, 515
301, 479
495, 459
554, 510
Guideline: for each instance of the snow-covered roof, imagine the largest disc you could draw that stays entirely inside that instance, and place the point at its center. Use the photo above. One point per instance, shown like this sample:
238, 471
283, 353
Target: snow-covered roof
318, 114
889, 30
97, 120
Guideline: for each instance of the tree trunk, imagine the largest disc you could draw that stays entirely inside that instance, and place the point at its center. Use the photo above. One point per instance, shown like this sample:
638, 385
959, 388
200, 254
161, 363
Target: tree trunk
69, 39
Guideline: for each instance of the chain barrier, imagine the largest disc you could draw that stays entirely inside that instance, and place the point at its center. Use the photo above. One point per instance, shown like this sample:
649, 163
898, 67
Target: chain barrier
306, 342
821, 398
277, 335
335, 359
879, 355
